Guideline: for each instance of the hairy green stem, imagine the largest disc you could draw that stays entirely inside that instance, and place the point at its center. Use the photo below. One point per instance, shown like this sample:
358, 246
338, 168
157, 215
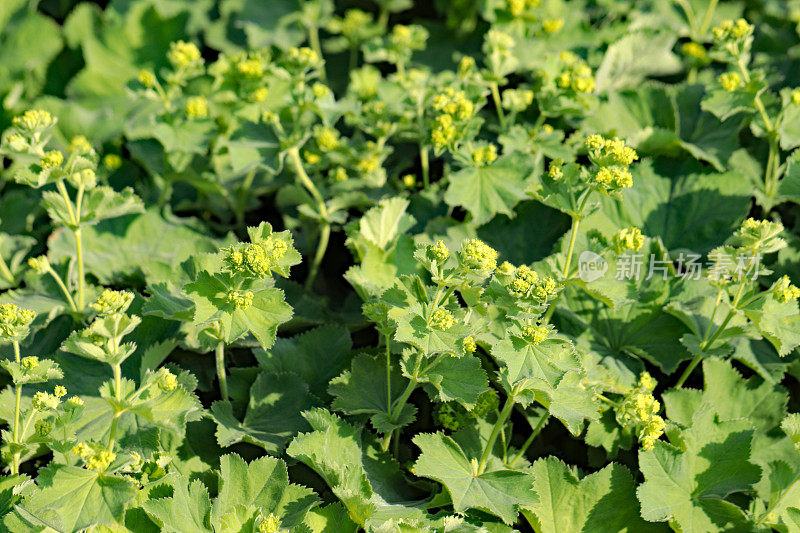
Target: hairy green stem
425, 164
313, 40
63, 288
325, 231
219, 355
112, 433
5, 271
501, 117
536, 430
17, 401
576, 221
501, 420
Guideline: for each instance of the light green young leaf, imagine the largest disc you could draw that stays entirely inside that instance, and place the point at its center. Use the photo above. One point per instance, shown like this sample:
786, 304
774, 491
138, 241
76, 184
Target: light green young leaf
602, 501
499, 492
263, 483
73, 498
687, 486
273, 413
636, 56
491, 189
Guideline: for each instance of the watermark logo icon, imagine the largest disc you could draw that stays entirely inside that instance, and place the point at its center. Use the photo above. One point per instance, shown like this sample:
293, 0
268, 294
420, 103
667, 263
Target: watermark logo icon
591, 266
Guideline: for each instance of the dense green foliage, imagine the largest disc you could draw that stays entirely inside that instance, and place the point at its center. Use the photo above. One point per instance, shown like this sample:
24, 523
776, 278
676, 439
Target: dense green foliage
452, 266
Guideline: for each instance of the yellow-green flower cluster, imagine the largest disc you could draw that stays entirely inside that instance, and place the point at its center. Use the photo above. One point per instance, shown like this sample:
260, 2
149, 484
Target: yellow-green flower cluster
30, 362
14, 322
784, 291
454, 102
269, 524
33, 121
111, 302
628, 239
51, 159
79, 143
729, 30
43, 401
43, 428
255, 259
439, 251
552, 25
695, 51
451, 415
453, 107
794, 96
167, 381
147, 78
304, 57
469, 344
240, 299
575, 75
39, 264
517, 99
478, 255
524, 280
197, 107
252, 67
733, 37
327, 138
182, 54
759, 235
535, 334
730, 81
640, 409
95, 458
613, 158
442, 319
320, 90
555, 171
484, 155
112, 161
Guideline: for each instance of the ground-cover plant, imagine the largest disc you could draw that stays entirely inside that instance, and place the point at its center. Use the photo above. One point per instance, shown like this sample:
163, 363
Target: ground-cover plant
316, 266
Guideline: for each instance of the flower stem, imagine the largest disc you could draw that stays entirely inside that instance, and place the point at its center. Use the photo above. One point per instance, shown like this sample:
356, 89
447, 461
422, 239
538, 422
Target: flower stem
112, 433
313, 40
325, 232
63, 288
501, 420
219, 353
6, 272
539, 426
17, 401
425, 164
576, 221
501, 117
687, 372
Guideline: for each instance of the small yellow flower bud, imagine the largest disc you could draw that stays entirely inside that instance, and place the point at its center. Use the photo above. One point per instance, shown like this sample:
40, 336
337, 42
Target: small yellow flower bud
552, 25
112, 161
52, 159
730, 81
39, 264
147, 78
182, 54
197, 107
442, 319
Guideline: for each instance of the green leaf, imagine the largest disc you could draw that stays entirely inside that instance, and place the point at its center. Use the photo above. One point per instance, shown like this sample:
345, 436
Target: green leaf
498, 492
188, 510
778, 322
366, 481
73, 498
273, 413
263, 483
491, 189
383, 223
635, 57
123, 248
363, 390
460, 379
262, 317
602, 501
303, 355
667, 120
688, 486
